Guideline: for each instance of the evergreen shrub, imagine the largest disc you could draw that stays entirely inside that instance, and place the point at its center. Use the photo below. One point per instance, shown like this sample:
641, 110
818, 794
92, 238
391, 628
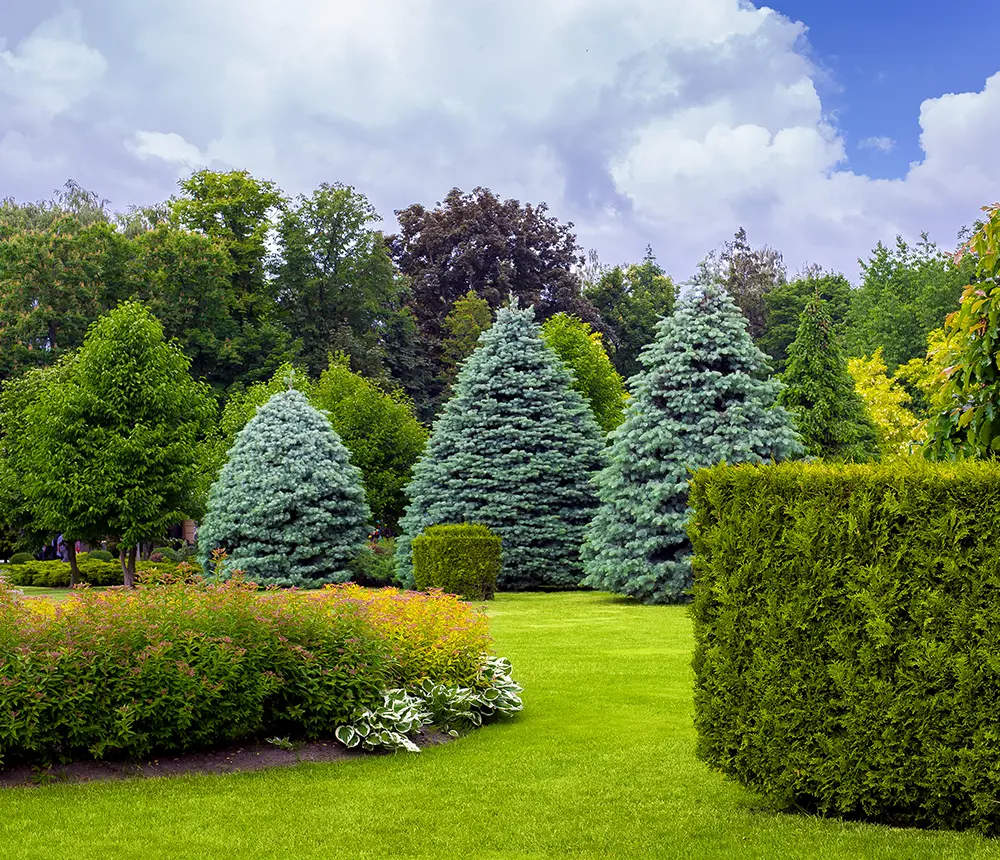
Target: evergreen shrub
99, 554
21, 558
459, 559
375, 565
847, 638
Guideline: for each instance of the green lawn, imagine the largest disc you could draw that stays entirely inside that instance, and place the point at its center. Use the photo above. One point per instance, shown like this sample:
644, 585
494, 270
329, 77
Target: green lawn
51, 593
601, 764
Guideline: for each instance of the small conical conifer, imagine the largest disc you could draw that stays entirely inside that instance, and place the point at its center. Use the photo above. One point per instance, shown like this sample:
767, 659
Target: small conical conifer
288, 507
702, 399
819, 392
514, 449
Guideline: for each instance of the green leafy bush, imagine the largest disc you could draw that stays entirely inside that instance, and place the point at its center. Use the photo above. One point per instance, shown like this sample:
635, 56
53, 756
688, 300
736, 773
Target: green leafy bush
375, 566
21, 558
178, 667
99, 554
93, 571
435, 636
460, 559
848, 650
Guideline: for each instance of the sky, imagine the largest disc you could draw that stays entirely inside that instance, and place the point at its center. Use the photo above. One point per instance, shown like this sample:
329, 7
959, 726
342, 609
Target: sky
820, 127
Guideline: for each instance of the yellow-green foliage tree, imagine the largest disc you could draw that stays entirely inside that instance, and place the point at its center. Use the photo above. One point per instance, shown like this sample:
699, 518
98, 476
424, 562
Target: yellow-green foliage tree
468, 318
897, 429
594, 376
968, 425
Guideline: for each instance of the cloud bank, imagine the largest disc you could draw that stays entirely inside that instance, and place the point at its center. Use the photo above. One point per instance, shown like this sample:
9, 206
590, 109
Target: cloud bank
640, 121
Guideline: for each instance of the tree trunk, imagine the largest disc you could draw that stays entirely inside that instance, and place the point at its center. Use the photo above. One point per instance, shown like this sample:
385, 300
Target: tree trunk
128, 565
74, 571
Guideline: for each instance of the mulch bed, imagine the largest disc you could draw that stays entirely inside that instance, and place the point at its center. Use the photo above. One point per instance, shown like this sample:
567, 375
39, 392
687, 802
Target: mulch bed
238, 758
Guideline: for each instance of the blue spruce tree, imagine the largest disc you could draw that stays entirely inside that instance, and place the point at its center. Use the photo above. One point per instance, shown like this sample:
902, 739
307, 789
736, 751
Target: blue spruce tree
515, 449
288, 507
702, 398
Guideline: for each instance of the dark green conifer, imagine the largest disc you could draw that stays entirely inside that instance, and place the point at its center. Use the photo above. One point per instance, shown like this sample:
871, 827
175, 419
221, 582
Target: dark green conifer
819, 392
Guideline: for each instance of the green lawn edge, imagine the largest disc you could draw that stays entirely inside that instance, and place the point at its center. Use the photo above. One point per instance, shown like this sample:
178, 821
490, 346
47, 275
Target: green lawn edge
600, 764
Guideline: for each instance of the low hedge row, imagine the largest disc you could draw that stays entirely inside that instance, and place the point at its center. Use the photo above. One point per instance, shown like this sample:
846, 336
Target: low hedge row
93, 571
847, 621
182, 666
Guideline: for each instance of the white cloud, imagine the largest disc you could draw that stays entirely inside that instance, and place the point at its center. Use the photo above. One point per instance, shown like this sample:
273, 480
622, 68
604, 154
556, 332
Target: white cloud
879, 144
640, 120
53, 69
169, 147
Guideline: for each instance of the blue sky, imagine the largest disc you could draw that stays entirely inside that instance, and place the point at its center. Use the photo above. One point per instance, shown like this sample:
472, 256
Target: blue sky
883, 62
820, 127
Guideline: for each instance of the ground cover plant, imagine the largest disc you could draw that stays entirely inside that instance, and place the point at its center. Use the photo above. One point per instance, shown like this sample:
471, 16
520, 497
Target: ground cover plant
847, 639
600, 764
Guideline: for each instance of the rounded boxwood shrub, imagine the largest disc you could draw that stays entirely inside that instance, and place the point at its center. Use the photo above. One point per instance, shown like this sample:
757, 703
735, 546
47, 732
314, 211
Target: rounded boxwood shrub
98, 554
288, 508
460, 559
21, 558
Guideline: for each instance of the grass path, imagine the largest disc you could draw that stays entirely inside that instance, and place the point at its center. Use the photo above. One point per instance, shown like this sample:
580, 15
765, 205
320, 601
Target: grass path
601, 764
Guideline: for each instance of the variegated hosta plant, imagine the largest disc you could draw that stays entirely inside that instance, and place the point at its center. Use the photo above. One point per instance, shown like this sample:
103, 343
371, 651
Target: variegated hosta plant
450, 708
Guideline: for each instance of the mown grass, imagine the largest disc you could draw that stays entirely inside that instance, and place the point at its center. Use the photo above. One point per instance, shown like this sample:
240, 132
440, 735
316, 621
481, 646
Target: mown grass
50, 593
601, 764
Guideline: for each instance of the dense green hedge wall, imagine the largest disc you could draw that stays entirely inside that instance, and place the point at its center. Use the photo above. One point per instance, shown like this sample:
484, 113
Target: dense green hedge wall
460, 559
847, 621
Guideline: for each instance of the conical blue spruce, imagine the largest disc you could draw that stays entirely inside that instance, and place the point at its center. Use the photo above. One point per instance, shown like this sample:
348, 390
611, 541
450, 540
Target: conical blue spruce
516, 449
703, 398
289, 507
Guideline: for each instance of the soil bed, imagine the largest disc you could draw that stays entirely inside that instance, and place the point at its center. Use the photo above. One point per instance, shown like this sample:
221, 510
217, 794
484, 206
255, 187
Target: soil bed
233, 759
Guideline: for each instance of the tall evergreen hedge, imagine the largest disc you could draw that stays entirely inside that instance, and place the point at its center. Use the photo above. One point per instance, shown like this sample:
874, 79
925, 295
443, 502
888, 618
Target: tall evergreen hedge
515, 449
848, 644
703, 398
288, 507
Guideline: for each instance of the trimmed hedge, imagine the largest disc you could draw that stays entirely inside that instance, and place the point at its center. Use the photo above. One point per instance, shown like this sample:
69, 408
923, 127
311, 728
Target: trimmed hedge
460, 559
21, 558
93, 571
847, 621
